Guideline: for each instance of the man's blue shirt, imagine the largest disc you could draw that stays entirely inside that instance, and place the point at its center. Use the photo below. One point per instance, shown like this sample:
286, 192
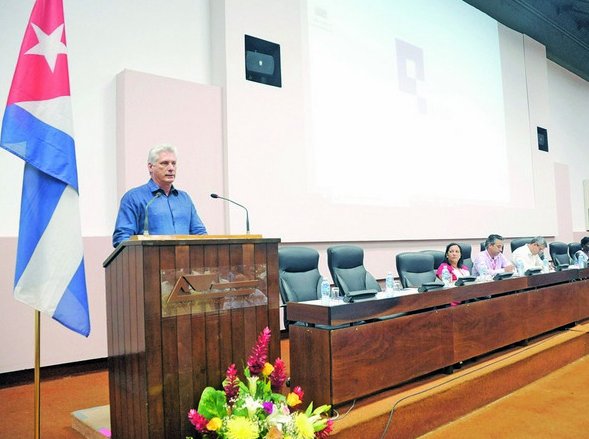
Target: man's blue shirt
173, 214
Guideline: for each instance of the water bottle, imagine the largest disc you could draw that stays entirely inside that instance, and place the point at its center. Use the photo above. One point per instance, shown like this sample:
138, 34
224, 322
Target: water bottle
446, 277
389, 283
519, 265
483, 271
545, 265
582, 260
325, 291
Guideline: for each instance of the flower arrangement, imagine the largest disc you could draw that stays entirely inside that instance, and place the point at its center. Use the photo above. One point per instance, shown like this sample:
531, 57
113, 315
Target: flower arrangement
254, 408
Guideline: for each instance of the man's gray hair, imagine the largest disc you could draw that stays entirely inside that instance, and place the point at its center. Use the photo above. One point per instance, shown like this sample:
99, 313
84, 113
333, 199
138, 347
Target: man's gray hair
154, 153
492, 239
538, 240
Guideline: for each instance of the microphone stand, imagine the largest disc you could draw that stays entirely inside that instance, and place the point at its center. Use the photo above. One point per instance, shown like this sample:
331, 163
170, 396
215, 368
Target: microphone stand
247, 216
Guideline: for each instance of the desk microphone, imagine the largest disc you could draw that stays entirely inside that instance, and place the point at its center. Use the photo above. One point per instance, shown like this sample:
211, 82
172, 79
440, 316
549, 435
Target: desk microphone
247, 216
146, 222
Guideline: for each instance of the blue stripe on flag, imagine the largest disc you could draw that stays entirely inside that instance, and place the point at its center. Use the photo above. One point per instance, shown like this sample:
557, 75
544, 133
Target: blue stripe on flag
41, 145
72, 309
40, 195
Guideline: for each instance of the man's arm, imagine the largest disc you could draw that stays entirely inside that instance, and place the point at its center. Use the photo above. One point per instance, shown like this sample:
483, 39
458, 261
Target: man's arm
506, 266
127, 223
196, 225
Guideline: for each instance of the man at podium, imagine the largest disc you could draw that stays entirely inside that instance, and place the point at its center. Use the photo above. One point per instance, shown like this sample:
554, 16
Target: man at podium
157, 207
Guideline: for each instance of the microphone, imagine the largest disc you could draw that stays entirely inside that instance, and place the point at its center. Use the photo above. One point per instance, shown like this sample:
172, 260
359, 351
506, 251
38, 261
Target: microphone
146, 222
247, 216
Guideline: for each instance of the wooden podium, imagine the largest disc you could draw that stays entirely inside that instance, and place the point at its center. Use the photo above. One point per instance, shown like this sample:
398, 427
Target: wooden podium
180, 310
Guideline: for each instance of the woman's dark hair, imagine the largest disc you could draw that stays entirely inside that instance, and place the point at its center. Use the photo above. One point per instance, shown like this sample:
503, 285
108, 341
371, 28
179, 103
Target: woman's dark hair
460, 261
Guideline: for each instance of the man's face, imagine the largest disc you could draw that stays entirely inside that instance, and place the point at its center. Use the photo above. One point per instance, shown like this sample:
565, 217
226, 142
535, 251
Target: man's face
496, 248
163, 171
536, 248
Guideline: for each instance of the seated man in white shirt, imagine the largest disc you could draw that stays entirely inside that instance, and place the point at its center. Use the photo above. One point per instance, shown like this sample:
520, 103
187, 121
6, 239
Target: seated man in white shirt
529, 254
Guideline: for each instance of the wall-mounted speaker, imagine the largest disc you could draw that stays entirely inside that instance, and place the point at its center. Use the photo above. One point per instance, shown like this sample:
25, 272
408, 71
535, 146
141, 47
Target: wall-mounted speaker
542, 139
262, 61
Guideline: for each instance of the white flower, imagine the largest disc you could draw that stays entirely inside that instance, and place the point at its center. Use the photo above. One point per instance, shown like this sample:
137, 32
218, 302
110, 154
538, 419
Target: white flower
252, 405
251, 385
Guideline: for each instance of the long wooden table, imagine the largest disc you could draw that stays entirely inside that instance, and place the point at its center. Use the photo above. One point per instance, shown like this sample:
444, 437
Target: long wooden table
346, 351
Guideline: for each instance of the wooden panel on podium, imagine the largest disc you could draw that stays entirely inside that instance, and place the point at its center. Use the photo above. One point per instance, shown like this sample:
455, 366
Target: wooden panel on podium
169, 337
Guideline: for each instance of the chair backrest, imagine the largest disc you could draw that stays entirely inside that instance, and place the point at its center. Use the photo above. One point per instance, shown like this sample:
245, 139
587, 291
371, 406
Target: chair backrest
438, 256
346, 265
466, 250
574, 247
483, 246
299, 277
415, 269
559, 253
518, 242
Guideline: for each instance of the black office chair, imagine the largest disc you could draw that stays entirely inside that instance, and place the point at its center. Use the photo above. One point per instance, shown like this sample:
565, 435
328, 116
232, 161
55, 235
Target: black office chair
466, 250
346, 265
559, 253
299, 277
438, 257
483, 246
574, 247
415, 269
518, 242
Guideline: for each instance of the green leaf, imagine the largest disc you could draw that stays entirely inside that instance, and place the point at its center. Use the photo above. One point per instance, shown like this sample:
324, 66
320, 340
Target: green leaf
322, 409
213, 403
320, 425
309, 409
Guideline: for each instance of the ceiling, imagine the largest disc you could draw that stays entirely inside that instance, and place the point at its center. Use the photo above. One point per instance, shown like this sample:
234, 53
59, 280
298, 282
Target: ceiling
560, 25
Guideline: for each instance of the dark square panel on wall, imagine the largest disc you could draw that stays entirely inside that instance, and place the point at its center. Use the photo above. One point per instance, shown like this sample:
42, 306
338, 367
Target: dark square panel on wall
262, 61
542, 139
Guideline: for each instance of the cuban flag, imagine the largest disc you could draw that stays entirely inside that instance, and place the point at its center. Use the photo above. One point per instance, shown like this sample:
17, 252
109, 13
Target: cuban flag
37, 127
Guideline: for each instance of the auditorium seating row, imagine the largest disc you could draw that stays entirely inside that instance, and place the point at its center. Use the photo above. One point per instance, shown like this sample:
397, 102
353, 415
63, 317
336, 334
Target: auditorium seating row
300, 279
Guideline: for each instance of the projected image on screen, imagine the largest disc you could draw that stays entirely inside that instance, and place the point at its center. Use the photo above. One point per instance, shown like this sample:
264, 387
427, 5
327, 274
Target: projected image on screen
412, 91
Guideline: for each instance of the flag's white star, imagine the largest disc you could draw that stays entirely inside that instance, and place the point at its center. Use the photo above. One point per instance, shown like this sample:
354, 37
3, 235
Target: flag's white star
48, 46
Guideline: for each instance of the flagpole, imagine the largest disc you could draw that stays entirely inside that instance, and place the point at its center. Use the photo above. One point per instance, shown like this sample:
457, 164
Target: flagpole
37, 374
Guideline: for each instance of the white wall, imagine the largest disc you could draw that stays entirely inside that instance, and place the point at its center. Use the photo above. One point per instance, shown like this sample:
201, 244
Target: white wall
568, 137
172, 38
104, 37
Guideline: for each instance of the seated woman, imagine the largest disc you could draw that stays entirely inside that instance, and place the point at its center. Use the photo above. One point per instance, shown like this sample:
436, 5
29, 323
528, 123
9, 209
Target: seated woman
453, 263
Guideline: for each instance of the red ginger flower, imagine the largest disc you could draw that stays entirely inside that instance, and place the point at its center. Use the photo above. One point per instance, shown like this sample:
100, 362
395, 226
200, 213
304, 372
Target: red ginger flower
259, 356
198, 420
324, 434
278, 375
231, 384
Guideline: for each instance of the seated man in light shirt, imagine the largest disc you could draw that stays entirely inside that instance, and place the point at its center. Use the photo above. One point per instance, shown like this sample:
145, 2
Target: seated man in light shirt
492, 258
529, 254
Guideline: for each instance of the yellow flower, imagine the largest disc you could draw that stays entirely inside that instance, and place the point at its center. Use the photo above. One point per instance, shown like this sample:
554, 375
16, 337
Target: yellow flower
267, 370
214, 424
304, 426
241, 428
292, 399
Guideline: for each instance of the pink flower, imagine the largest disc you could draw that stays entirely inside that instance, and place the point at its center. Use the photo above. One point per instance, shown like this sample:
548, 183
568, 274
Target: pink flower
231, 384
278, 375
323, 434
259, 356
198, 420
299, 392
